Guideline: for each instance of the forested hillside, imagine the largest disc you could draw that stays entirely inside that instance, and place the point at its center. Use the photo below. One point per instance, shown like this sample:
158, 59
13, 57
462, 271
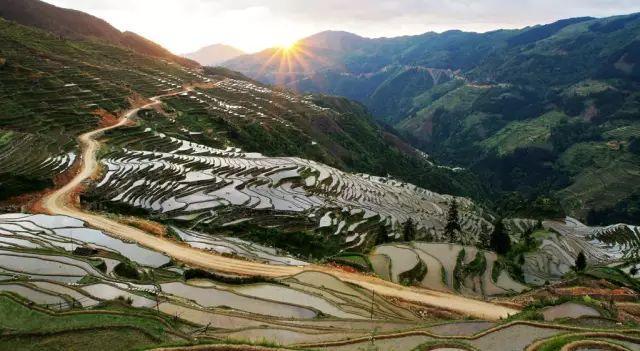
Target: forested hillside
548, 115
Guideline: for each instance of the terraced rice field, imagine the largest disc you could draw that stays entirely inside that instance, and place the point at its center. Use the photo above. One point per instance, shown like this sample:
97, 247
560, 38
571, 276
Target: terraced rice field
54, 270
235, 246
312, 309
61, 232
183, 164
402, 259
50, 94
601, 245
308, 307
569, 310
191, 182
441, 260
506, 337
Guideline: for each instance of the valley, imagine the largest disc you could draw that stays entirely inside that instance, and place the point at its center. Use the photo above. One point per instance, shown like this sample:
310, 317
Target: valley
541, 113
149, 203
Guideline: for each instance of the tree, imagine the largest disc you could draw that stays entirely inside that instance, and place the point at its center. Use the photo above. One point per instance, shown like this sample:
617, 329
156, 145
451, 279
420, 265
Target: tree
383, 235
527, 238
581, 262
409, 230
500, 241
634, 145
453, 225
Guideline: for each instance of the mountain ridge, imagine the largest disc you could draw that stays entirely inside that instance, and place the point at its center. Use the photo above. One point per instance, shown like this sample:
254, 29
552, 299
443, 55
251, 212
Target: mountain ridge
74, 24
215, 54
501, 103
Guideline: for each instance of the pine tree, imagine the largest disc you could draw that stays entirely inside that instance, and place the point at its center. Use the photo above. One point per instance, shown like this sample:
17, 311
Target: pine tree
409, 230
500, 241
453, 225
581, 262
383, 236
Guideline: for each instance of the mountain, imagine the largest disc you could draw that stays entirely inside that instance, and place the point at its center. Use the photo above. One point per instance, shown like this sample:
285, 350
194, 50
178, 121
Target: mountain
74, 24
145, 204
82, 84
539, 113
215, 54
322, 51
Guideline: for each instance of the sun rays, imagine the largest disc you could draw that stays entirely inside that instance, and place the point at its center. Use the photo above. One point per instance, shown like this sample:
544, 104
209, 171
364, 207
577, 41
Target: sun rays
291, 60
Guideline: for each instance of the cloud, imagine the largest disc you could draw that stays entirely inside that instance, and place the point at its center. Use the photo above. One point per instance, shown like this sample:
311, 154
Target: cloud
185, 25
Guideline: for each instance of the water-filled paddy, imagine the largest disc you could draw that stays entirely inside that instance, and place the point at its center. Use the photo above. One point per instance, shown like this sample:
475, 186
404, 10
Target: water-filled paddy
212, 297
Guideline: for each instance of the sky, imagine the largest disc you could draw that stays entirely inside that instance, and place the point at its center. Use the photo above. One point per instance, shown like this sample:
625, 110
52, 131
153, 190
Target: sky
184, 26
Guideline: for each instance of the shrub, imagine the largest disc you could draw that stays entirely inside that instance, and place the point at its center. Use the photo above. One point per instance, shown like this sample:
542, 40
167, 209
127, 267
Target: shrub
202, 274
581, 262
500, 241
101, 266
85, 251
409, 230
128, 300
303, 243
126, 270
352, 259
414, 275
634, 145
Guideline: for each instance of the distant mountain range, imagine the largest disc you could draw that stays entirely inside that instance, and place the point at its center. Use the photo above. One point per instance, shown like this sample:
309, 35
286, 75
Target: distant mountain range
72, 24
548, 112
215, 54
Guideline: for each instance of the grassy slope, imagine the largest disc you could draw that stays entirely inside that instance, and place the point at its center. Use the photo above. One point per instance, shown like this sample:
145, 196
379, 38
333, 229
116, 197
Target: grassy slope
32, 329
522, 134
584, 68
115, 339
24, 319
346, 136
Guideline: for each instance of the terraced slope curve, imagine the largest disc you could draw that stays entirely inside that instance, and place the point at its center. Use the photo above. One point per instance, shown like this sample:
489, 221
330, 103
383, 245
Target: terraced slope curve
610, 245
58, 203
444, 267
191, 182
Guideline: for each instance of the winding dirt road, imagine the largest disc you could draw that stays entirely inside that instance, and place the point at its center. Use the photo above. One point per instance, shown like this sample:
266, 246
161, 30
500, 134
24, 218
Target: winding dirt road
58, 203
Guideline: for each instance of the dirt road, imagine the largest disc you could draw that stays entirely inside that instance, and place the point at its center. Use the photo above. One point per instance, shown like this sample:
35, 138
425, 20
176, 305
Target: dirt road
58, 203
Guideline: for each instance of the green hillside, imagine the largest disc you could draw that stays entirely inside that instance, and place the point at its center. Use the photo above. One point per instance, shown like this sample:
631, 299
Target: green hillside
52, 89
511, 105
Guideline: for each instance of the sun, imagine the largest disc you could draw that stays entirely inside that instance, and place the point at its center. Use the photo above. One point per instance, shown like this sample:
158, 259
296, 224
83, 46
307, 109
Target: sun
288, 45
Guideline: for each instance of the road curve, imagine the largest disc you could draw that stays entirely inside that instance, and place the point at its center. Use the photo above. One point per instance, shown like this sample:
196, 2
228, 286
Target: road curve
58, 203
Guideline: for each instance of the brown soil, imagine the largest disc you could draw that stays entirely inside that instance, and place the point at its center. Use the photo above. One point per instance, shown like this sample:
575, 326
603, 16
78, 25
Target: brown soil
628, 312
596, 288
106, 118
617, 294
135, 100
148, 226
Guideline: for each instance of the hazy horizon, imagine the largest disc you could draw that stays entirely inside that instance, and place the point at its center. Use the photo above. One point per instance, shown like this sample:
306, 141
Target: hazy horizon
254, 25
